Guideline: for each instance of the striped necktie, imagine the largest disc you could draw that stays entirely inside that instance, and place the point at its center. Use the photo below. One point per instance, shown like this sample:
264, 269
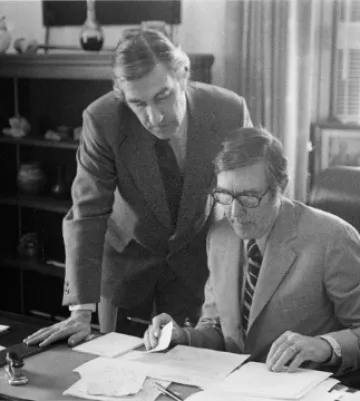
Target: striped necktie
254, 265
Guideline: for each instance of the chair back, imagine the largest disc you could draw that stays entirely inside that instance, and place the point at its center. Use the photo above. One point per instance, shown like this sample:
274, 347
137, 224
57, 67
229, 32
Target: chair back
337, 190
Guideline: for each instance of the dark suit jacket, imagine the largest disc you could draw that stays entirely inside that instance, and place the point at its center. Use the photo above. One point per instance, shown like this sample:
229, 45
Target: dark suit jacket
118, 196
309, 283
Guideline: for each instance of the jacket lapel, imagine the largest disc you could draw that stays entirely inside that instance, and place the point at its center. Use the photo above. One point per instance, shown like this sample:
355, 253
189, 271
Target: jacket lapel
228, 282
200, 148
278, 259
138, 154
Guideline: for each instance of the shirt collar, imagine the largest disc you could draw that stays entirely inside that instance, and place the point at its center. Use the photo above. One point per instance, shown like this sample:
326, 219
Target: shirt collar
181, 133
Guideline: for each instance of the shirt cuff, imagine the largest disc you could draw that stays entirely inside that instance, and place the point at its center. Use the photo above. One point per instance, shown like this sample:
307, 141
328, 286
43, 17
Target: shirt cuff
88, 307
336, 350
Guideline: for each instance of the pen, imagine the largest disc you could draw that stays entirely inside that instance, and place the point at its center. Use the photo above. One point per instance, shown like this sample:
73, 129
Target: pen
138, 320
165, 391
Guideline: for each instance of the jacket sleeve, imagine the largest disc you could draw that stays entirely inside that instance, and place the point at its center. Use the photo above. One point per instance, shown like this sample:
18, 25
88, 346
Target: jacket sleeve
207, 333
342, 283
84, 226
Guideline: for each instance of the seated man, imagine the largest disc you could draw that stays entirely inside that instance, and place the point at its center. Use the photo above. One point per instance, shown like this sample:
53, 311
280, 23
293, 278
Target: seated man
284, 282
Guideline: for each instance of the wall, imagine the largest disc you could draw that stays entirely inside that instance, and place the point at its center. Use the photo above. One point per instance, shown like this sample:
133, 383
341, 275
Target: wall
202, 29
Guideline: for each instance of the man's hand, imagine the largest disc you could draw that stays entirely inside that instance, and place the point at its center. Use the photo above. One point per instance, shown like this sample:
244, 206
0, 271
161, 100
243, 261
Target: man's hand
152, 334
290, 350
77, 328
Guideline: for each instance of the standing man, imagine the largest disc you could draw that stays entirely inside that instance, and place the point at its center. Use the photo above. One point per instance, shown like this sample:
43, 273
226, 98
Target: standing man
284, 282
136, 231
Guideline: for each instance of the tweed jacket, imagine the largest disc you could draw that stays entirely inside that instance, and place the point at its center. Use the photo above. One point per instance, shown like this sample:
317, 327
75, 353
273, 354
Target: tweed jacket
309, 283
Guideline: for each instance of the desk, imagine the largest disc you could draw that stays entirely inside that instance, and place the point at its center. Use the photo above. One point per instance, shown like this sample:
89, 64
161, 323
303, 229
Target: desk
51, 372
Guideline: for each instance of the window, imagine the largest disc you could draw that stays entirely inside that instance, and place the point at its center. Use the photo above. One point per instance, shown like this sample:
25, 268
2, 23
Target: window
346, 75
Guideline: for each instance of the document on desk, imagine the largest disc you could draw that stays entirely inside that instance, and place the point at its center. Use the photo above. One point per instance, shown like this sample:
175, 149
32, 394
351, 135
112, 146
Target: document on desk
113, 383
350, 397
109, 375
146, 393
274, 385
110, 345
186, 365
320, 392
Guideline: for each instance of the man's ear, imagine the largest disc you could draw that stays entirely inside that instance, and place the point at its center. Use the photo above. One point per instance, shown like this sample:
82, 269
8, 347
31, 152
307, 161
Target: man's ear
117, 90
184, 76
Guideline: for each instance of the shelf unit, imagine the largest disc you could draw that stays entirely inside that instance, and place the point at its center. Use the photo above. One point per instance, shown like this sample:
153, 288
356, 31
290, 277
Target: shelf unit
49, 90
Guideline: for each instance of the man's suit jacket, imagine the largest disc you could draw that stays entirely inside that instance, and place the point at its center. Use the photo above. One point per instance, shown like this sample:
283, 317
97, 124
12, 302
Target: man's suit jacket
309, 283
118, 194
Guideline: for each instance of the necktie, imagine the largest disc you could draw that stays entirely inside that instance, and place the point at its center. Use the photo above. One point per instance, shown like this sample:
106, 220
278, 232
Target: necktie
171, 175
254, 265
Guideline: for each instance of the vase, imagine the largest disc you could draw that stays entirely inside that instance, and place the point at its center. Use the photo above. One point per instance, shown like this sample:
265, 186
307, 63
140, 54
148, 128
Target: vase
91, 34
60, 189
5, 37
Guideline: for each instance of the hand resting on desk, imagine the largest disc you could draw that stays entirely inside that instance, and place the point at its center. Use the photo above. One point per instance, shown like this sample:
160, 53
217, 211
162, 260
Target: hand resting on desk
152, 334
290, 350
76, 328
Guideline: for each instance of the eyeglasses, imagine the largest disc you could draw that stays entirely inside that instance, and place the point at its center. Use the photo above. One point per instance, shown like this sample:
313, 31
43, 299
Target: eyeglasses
249, 201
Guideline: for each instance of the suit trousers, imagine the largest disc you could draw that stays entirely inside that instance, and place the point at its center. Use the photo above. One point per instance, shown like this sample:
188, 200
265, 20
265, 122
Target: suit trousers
153, 285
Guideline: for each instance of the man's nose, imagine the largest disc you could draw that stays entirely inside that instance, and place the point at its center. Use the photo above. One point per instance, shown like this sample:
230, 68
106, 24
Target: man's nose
155, 116
237, 209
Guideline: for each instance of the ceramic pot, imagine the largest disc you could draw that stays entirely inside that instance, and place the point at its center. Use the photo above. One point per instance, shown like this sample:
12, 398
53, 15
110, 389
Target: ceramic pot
31, 178
91, 34
5, 37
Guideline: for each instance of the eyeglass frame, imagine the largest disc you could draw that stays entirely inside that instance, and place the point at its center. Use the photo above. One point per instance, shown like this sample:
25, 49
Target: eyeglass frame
258, 198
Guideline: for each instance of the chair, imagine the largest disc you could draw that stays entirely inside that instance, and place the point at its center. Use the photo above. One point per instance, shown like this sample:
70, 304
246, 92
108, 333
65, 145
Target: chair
337, 190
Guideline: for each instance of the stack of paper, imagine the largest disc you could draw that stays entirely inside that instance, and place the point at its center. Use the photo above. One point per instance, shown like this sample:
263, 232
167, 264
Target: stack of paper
186, 365
108, 379
320, 393
253, 381
110, 345
281, 385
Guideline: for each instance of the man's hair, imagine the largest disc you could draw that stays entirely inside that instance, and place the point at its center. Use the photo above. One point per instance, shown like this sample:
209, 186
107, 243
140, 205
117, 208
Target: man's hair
248, 146
140, 50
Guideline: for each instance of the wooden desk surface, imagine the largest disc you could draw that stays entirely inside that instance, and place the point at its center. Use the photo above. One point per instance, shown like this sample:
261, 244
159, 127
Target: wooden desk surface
51, 372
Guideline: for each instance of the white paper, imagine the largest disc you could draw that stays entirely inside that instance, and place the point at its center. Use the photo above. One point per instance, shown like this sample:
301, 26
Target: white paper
3, 328
115, 383
350, 397
147, 393
110, 345
164, 338
210, 396
274, 385
187, 365
319, 393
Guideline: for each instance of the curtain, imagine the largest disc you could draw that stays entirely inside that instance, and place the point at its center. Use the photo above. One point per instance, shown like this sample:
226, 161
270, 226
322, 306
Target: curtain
269, 59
